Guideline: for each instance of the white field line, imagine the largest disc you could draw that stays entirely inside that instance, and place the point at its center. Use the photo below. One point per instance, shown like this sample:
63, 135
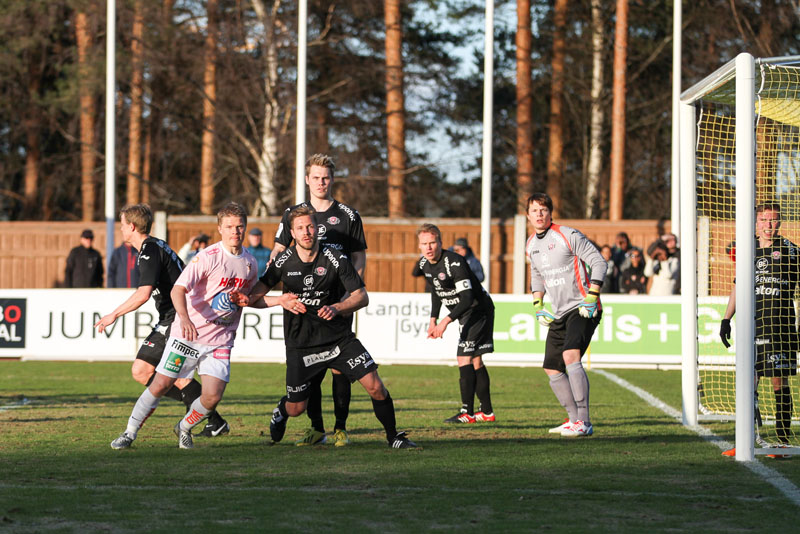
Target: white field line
771, 476
15, 404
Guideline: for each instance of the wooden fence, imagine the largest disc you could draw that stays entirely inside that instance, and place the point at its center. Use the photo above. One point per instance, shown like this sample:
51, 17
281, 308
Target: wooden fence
33, 254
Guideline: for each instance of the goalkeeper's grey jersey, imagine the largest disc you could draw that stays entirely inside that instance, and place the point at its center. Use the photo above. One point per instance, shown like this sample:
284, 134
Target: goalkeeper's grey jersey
563, 264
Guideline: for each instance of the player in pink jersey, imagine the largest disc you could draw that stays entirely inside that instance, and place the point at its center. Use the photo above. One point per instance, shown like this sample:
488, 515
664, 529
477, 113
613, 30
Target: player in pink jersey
204, 329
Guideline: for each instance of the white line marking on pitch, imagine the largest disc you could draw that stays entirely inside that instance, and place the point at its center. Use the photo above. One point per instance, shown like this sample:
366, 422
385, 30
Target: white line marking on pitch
771, 476
15, 404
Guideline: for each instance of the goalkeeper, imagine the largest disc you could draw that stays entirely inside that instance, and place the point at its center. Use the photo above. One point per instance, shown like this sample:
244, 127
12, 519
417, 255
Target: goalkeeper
777, 274
562, 259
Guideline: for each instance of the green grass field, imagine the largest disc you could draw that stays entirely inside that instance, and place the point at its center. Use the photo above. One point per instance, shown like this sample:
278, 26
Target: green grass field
641, 471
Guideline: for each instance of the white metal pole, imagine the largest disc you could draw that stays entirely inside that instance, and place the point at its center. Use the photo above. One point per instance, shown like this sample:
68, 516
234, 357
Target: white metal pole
688, 212
745, 252
676, 205
486, 167
300, 148
110, 156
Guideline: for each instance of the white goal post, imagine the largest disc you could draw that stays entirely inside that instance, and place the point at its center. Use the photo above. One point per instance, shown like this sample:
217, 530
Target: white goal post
739, 146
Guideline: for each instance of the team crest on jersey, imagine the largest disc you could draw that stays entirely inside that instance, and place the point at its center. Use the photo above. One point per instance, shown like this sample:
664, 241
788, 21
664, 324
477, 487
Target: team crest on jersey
308, 281
442, 276
321, 229
333, 220
762, 264
551, 246
776, 254
320, 271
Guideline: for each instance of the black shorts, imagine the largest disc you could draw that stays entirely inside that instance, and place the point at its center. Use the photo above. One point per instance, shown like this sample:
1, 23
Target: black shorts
769, 364
302, 367
568, 332
152, 347
476, 335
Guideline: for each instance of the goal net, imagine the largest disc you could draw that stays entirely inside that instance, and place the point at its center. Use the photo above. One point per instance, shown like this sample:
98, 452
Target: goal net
746, 153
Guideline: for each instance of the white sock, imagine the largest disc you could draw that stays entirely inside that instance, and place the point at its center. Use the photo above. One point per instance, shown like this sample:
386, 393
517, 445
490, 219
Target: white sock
144, 407
196, 413
580, 389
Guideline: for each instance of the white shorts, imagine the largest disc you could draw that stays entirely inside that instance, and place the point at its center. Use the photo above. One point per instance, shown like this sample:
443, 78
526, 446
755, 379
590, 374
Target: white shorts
181, 358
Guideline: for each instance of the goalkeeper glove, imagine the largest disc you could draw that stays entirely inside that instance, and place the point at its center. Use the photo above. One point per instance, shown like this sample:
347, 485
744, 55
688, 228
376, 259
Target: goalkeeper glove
543, 316
588, 308
725, 332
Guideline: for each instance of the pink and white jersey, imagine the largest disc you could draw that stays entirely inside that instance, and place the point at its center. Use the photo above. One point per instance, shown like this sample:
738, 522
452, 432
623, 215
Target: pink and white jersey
209, 279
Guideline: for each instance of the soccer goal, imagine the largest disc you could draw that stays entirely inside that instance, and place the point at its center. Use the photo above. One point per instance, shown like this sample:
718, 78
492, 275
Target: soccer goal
740, 147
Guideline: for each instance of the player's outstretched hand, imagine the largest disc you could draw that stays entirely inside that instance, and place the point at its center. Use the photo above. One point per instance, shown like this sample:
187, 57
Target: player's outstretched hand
104, 322
588, 308
725, 332
543, 316
239, 298
290, 302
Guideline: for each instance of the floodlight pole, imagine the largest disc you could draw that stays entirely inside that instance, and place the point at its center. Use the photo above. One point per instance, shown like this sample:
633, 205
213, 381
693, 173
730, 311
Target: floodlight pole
300, 147
110, 155
486, 166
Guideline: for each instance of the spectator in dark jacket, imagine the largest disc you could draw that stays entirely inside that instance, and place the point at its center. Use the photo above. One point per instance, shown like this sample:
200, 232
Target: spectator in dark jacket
632, 279
84, 264
462, 247
122, 269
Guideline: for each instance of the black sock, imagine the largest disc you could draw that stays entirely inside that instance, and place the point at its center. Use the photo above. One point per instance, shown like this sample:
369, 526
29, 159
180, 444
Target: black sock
467, 384
341, 400
482, 389
190, 393
783, 413
384, 411
314, 406
174, 393
282, 407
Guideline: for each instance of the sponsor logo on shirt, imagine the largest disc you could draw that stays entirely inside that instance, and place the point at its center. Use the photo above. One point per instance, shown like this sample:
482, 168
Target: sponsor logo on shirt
185, 349
328, 254
294, 273
174, 363
308, 281
223, 353
348, 211
321, 229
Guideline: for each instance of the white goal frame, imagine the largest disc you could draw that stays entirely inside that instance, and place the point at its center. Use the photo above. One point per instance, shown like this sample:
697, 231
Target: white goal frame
742, 68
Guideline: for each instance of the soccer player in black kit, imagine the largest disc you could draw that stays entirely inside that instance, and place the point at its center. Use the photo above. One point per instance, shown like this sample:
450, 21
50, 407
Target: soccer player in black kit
317, 325
339, 227
159, 267
777, 273
453, 284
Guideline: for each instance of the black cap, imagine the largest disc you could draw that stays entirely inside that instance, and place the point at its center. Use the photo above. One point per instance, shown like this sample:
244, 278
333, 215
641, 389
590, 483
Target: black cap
462, 242
255, 231
88, 234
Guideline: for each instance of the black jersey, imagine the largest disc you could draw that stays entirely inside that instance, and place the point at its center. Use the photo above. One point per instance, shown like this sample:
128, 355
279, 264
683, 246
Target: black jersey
339, 227
777, 273
455, 285
159, 266
322, 282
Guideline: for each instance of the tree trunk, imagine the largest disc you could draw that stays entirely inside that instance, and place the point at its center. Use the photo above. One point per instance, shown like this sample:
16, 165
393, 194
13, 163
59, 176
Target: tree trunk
595, 166
524, 105
617, 177
266, 155
84, 37
209, 104
395, 111
555, 149
33, 125
135, 125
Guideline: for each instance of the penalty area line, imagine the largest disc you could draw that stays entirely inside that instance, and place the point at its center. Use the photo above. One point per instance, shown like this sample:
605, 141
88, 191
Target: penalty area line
769, 475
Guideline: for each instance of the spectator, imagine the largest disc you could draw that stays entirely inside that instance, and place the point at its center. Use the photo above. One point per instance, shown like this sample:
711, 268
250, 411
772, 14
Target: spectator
84, 264
663, 271
623, 250
122, 269
671, 240
612, 273
190, 249
258, 250
462, 247
632, 280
